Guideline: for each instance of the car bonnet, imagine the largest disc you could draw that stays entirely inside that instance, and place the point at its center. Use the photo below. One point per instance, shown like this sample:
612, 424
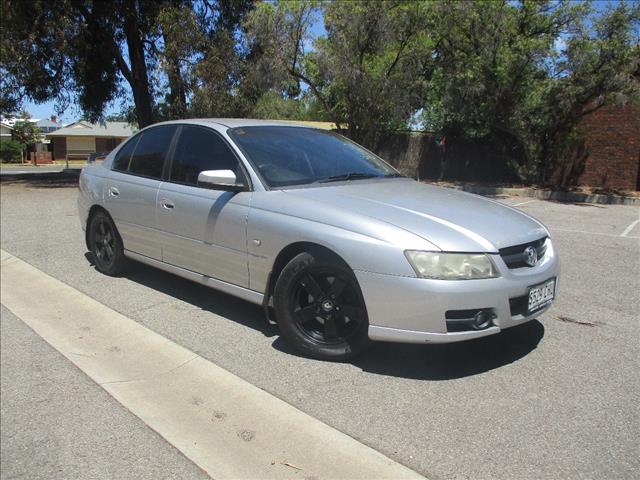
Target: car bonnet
450, 219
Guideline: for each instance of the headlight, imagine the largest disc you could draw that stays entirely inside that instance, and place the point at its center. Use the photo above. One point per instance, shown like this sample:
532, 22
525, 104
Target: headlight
452, 266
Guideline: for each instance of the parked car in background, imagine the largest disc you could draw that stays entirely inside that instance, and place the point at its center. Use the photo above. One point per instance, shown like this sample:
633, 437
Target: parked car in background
97, 157
330, 238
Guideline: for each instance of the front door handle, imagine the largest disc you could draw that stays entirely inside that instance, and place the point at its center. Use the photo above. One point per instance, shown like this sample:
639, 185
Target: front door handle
167, 204
113, 192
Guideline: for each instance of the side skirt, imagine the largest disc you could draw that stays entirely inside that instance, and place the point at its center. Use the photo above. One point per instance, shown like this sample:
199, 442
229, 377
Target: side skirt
235, 290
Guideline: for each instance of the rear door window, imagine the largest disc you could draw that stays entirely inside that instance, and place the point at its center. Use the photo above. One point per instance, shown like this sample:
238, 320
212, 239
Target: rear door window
148, 157
123, 157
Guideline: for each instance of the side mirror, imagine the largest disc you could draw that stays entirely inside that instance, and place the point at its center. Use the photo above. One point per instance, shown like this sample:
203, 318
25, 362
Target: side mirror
220, 180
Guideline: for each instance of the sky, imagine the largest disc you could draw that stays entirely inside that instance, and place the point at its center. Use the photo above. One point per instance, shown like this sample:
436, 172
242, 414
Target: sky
47, 109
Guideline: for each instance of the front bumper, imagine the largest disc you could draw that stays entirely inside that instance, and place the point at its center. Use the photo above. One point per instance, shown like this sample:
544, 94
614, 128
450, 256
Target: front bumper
413, 310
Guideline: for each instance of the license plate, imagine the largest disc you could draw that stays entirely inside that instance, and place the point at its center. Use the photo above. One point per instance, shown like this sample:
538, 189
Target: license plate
540, 296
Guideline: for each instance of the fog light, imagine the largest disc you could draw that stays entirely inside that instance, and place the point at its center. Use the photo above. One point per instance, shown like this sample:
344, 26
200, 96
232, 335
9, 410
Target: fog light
481, 320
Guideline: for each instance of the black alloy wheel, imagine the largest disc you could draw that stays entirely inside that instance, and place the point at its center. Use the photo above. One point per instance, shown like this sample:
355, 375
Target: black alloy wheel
105, 244
320, 309
326, 306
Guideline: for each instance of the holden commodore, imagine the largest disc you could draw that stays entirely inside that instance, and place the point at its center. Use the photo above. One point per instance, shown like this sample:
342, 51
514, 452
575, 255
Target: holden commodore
336, 245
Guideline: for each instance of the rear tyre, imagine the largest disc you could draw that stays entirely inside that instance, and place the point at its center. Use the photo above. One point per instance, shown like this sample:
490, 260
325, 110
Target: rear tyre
106, 245
320, 309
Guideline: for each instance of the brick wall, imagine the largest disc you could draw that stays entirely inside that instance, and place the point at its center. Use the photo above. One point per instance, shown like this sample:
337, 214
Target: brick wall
418, 155
612, 148
40, 158
608, 157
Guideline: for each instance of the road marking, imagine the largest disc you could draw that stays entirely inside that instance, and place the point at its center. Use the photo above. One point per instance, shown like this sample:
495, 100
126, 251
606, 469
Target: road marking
524, 203
225, 425
629, 228
587, 233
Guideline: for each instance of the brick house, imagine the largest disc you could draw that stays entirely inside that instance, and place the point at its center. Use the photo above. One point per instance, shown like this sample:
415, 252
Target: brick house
80, 139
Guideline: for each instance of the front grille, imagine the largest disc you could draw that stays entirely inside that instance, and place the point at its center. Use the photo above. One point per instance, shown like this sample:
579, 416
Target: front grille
515, 257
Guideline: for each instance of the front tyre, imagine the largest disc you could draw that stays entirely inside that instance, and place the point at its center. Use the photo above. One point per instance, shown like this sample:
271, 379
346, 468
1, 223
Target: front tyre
106, 245
320, 309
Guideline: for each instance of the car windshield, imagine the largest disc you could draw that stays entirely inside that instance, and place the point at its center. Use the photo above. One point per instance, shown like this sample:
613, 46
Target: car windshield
287, 156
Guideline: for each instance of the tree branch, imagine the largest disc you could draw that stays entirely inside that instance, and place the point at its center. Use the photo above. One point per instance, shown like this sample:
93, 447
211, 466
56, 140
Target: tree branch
403, 44
113, 47
316, 92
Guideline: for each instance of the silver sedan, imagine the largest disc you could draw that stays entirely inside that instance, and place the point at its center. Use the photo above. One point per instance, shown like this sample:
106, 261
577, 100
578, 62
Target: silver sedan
336, 245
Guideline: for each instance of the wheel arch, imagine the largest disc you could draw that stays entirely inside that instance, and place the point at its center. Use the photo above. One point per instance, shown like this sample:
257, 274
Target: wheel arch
289, 252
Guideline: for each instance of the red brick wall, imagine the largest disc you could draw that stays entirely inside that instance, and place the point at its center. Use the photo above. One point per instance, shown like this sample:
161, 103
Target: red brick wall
40, 157
612, 148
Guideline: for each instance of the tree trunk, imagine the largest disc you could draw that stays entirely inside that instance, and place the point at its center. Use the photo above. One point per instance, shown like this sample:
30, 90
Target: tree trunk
139, 75
177, 93
177, 89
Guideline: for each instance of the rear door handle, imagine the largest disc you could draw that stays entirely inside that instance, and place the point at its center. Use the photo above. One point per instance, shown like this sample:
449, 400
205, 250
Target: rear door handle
114, 192
167, 204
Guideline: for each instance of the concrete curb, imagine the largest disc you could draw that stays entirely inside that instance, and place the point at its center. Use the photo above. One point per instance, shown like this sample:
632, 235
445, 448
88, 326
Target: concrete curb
576, 197
228, 427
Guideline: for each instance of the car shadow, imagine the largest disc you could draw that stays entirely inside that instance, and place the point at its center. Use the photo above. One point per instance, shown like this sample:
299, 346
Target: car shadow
200, 296
445, 361
453, 360
421, 362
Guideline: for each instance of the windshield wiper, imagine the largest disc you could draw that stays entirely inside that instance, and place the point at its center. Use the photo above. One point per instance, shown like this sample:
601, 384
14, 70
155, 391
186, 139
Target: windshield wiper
348, 176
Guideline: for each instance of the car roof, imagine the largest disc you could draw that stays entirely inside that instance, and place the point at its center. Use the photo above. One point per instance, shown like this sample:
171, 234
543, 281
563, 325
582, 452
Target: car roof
253, 122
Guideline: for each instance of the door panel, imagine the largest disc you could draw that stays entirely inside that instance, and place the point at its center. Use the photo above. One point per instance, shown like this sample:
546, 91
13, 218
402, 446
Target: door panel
204, 231
131, 192
131, 201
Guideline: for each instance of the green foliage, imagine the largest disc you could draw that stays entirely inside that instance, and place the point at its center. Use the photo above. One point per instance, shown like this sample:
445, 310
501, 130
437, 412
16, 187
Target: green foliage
516, 75
520, 76
25, 132
216, 65
10, 151
372, 68
93, 52
368, 74
274, 106
73, 51
183, 39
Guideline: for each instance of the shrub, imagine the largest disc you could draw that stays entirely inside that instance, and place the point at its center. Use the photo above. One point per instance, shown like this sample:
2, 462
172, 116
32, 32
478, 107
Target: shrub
10, 151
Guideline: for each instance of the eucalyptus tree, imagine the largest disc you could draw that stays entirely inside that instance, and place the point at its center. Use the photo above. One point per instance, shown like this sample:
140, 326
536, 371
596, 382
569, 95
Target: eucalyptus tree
520, 75
78, 51
91, 52
368, 73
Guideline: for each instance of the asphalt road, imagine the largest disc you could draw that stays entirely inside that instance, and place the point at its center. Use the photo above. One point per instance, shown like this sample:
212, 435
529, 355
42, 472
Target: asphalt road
554, 398
57, 423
